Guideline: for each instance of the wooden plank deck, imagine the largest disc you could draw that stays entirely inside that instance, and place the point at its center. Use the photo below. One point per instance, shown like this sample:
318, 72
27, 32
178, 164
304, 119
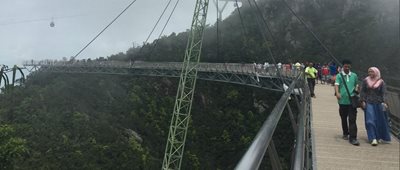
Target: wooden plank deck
332, 152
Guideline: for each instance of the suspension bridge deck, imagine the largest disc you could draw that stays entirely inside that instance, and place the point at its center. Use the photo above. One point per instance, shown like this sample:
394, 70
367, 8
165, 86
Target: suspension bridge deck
332, 152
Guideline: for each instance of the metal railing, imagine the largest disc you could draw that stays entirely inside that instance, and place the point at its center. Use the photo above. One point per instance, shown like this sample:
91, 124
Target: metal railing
393, 97
301, 158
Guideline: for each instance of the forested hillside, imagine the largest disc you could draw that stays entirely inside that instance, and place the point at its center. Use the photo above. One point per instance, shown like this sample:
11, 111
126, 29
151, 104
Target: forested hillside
77, 121
365, 31
69, 121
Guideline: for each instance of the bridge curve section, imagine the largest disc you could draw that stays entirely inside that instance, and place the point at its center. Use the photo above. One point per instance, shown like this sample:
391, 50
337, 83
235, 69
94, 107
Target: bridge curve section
269, 78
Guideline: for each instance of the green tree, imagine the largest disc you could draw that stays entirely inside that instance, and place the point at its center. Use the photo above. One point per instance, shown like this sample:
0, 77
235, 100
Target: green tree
12, 149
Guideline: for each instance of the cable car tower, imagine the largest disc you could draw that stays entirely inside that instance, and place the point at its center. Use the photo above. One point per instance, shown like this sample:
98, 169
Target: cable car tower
183, 103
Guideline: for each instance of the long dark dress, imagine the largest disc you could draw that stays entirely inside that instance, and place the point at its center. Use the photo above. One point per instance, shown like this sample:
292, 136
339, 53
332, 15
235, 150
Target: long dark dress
376, 119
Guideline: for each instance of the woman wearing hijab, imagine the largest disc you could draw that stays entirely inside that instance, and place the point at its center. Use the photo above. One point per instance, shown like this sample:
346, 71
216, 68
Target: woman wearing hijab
373, 99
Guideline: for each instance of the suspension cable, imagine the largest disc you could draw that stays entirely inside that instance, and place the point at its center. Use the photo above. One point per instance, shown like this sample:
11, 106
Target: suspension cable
217, 27
273, 42
259, 17
169, 17
260, 25
162, 31
159, 18
313, 34
244, 32
104, 29
268, 28
261, 30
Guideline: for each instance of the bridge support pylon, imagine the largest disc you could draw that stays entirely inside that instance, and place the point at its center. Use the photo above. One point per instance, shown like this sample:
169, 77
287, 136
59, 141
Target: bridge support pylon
181, 114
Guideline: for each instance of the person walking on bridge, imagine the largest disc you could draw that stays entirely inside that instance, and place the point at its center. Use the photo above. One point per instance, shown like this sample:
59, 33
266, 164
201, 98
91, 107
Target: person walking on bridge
332, 72
373, 99
347, 112
311, 75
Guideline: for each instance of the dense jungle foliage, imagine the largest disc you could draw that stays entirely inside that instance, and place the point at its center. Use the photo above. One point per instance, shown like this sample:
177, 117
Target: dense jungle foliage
73, 121
69, 121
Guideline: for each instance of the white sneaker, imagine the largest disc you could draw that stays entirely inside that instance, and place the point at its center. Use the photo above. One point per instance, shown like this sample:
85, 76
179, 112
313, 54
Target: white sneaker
374, 142
383, 141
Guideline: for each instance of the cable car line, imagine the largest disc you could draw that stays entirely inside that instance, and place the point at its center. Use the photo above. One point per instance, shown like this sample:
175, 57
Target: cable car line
40, 20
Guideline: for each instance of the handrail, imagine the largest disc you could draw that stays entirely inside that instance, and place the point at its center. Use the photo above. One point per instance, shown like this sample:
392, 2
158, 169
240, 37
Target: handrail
301, 136
394, 112
254, 155
298, 161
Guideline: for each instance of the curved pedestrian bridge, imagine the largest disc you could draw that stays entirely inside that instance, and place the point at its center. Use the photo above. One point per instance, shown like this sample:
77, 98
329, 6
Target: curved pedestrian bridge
269, 78
332, 152
318, 129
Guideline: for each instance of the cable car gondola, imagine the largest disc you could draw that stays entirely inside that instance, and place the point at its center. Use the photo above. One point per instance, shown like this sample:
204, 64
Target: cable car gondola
52, 23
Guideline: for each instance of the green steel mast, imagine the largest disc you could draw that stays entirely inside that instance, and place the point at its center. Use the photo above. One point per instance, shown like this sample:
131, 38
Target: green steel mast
183, 103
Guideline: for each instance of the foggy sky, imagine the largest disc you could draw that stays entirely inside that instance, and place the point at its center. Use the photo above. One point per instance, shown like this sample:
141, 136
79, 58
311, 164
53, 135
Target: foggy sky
25, 31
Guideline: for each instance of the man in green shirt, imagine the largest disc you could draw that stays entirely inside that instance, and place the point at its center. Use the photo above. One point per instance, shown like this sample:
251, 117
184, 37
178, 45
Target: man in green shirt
348, 114
311, 74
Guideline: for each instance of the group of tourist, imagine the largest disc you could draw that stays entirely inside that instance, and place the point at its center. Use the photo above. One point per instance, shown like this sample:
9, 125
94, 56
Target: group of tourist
372, 97
326, 73
283, 68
